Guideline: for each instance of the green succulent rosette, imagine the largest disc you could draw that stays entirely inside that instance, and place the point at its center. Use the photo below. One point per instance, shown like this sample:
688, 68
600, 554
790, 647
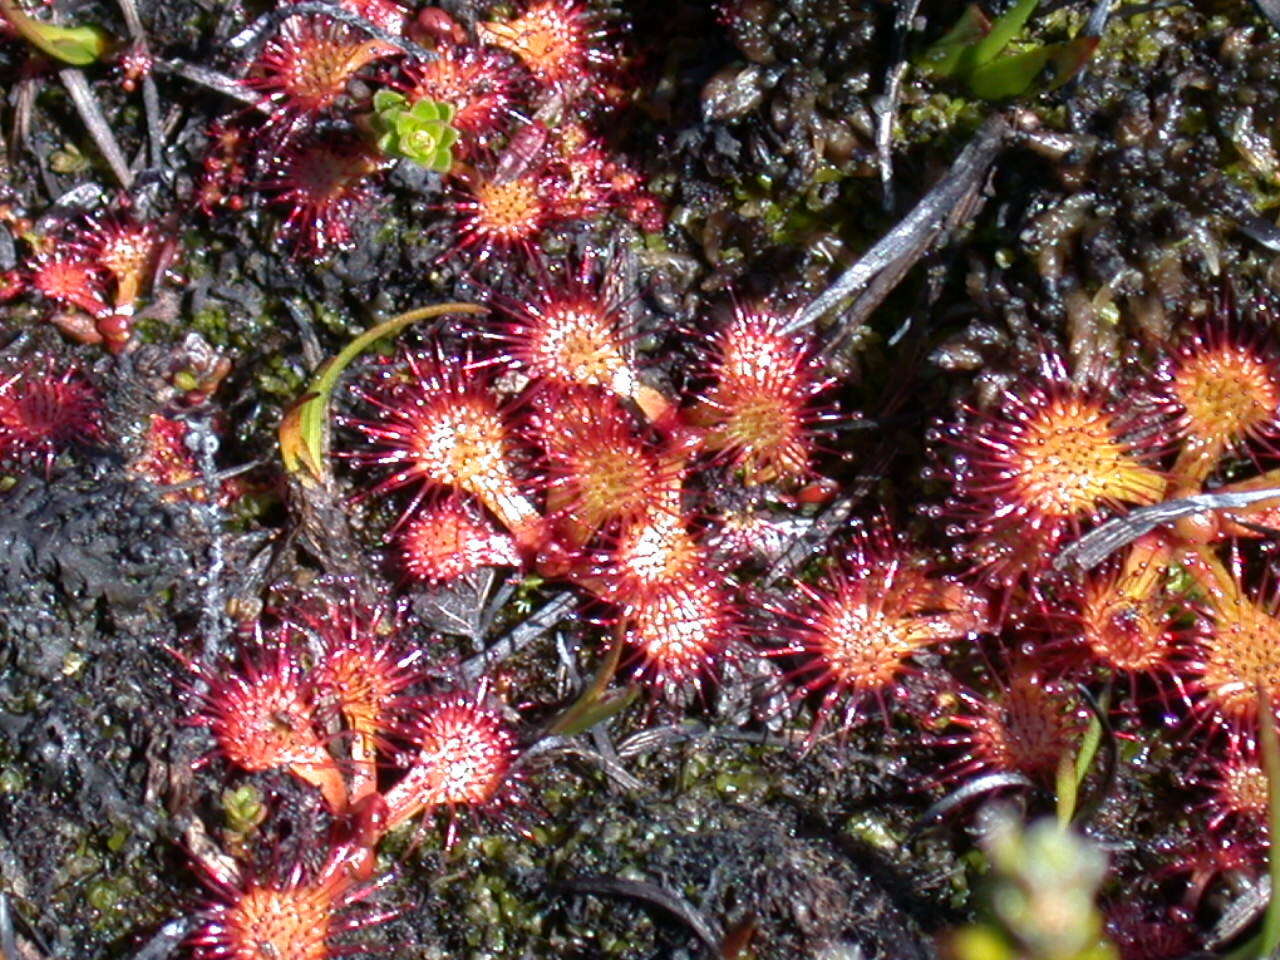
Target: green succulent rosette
421, 131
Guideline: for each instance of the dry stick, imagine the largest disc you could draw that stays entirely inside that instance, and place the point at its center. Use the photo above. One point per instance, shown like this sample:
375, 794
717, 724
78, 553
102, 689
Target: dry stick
886, 105
87, 106
8, 942
213, 80
913, 234
802, 546
519, 637
150, 96
1098, 17
246, 42
1095, 546
976, 787
1271, 10
165, 941
826, 523
215, 479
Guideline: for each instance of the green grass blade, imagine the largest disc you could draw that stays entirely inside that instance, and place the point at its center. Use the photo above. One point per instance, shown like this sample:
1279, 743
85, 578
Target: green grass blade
304, 431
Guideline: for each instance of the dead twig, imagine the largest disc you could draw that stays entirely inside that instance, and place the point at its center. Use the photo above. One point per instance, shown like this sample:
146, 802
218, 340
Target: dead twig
1095, 546
886, 105
834, 517
213, 80
977, 787
1271, 10
246, 42
164, 942
86, 105
519, 637
215, 479
941, 208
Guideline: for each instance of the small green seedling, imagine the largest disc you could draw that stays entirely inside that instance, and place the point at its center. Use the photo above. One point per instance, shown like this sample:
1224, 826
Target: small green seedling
971, 51
78, 46
1042, 891
421, 131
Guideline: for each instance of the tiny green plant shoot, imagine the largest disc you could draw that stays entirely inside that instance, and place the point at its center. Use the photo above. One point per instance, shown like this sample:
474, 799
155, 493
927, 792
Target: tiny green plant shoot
421, 131
78, 46
1041, 897
971, 52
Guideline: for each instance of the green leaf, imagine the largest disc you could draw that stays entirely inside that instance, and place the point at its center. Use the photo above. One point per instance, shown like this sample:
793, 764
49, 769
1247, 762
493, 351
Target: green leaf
304, 431
1014, 75
78, 46
1002, 33
944, 57
388, 101
420, 131
441, 161
592, 708
597, 703
428, 111
1009, 76
1271, 764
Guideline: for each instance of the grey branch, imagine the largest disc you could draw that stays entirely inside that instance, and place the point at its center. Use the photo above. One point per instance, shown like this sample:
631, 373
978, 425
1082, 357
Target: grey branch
87, 106
1095, 546
913, 234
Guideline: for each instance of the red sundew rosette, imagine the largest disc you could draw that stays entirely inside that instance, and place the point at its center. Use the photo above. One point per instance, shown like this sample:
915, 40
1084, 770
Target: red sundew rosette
322, 183
498, 216
1237, 802
440, 428
262, 715
1028, 724
1230, 665
128, 251
360, 667
853, 634
1223, 389
287, 915
73, 279
44, 411
560, 42
649, 552
597, 469
307, 65
448, 540
461, 756
680, 632
569, 333
1050, 459
1124, 620
761, 413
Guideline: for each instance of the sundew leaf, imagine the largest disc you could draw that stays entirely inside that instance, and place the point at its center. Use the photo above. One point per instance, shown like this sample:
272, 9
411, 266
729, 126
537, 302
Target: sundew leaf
78, 46
304, 430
